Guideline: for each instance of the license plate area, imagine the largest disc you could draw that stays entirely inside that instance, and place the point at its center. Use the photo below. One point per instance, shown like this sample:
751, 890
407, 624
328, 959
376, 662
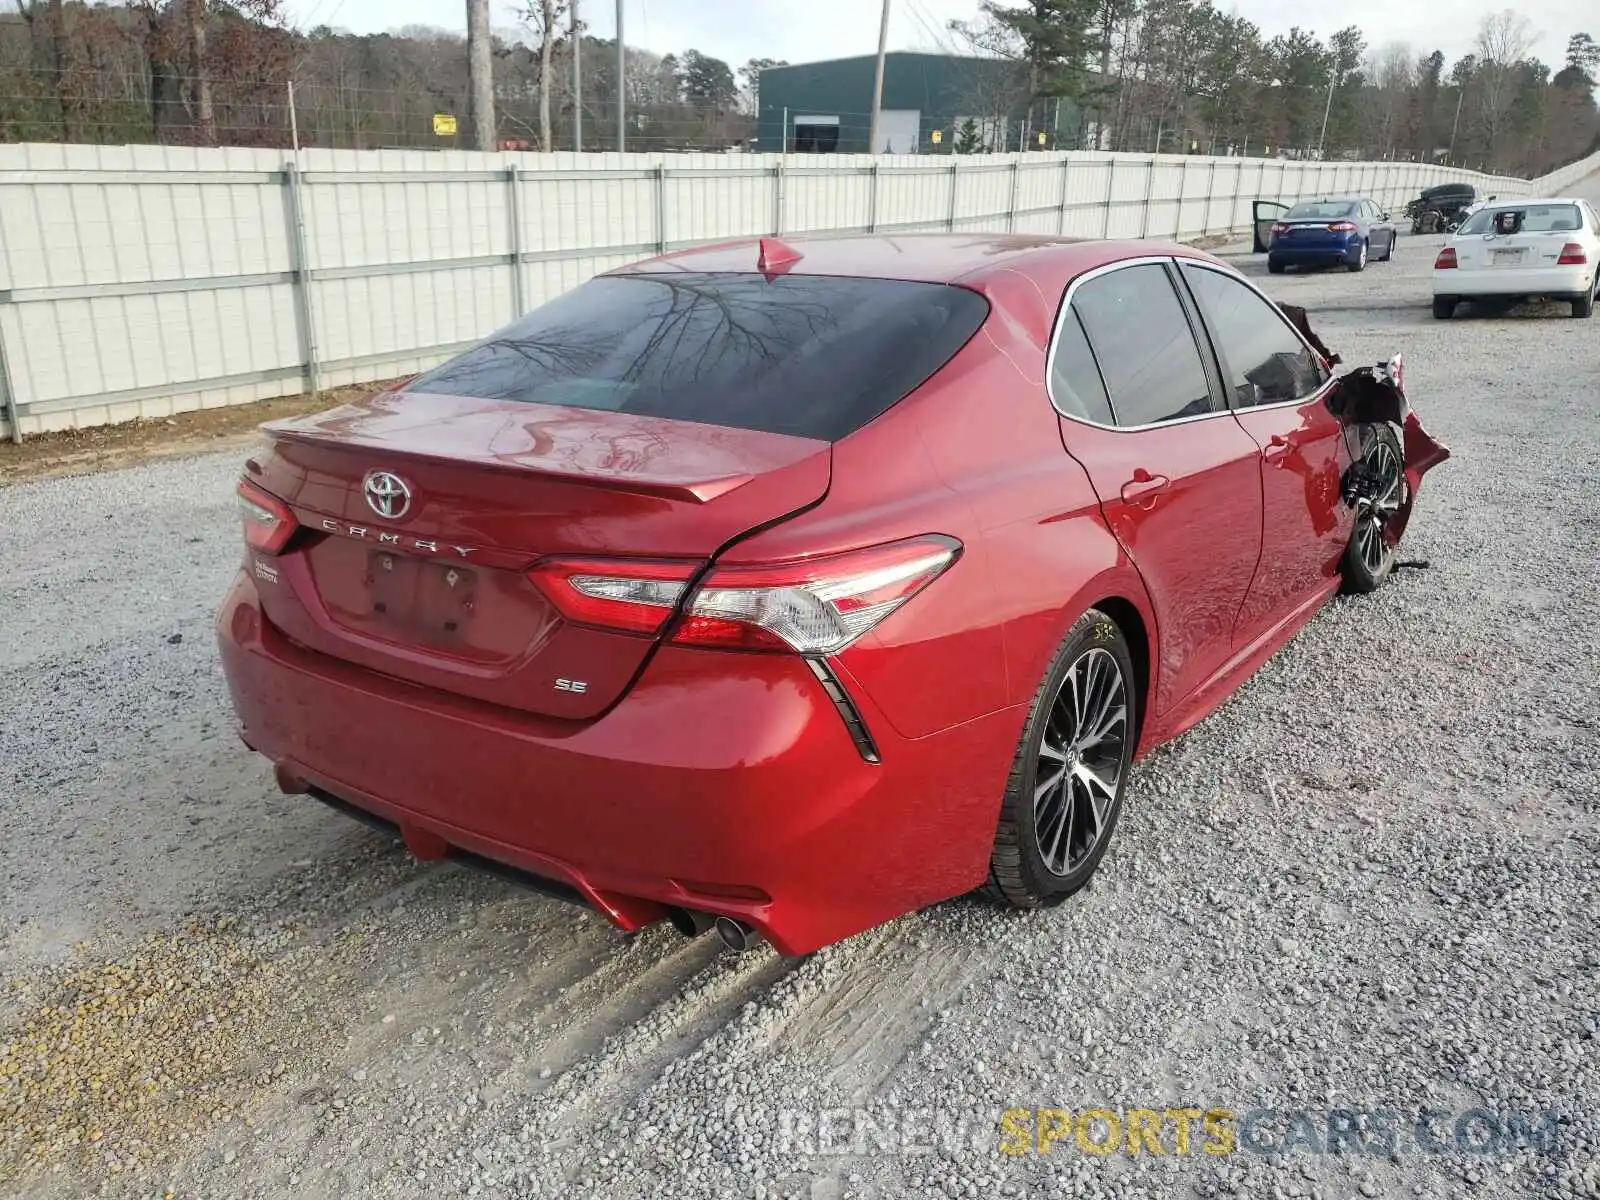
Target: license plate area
421, 600
1507, 256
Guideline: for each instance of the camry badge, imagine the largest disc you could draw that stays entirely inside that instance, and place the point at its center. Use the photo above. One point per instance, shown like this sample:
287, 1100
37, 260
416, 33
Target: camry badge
387, 495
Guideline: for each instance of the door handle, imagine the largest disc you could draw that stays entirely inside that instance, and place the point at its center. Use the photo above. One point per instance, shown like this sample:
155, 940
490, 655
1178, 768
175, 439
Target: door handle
1143, 488
1278, 448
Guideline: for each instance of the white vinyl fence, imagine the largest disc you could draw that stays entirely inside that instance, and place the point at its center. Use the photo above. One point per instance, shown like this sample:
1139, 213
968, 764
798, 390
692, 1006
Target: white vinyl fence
140, 281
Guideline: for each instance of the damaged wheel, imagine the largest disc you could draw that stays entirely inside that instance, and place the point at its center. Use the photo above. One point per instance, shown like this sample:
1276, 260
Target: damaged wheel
1379, 489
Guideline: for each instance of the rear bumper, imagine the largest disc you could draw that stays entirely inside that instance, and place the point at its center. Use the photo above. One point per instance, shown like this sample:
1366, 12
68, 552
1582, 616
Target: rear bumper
724, 783
1320, 254
1531, 281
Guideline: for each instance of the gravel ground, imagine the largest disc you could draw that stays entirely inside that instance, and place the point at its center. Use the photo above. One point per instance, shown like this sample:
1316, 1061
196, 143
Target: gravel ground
1368, 883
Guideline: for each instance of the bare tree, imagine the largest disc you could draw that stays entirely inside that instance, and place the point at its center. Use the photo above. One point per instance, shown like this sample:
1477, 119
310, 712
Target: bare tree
1392, 71
1504, 39
199, 76
543, 20
480, 69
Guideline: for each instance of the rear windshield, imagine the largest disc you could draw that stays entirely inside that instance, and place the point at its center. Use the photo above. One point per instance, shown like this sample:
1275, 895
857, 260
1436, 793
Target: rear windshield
1536, 218
1321, 210
808, 355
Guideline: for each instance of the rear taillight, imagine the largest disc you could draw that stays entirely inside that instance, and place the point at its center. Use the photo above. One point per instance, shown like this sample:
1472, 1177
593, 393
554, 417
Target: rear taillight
1343, 227
1280, 227
1572, 255
814, 607
632, 596
1446, 259
268, 523
818, 606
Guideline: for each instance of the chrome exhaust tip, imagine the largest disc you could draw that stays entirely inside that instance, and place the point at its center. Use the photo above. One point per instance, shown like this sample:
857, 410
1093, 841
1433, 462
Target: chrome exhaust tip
736, 935
690, 923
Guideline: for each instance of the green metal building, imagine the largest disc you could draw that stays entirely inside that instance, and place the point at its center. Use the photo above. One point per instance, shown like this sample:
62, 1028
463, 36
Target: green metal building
928, 101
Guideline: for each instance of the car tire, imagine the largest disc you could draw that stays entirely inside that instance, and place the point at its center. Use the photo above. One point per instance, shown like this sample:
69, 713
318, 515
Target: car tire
1583, 306
1368, 559
1360, 263
1275, 268
1039, 857
1388, 251
1444, 307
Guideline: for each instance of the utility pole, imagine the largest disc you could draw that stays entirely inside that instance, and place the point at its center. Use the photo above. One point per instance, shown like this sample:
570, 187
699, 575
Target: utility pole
877, 81
622, 85
1461, 94
577, 80
480, 71
1326, 109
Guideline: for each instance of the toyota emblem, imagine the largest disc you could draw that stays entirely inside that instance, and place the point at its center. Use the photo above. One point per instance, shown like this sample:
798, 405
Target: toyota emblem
387, 494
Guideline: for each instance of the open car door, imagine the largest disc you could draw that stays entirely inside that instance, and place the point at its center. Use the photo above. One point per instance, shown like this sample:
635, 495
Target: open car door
1263, 213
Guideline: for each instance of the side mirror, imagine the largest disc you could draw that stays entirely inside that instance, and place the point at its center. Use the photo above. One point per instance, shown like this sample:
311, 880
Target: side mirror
1384, 215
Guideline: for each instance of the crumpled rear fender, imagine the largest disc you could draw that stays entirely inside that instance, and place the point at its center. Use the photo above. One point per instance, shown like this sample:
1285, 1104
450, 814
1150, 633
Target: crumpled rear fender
1374, 395
1422, 454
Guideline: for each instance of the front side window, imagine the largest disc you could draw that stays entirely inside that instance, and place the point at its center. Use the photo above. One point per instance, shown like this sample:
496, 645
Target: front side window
1142, 340
1264, 360
809, 355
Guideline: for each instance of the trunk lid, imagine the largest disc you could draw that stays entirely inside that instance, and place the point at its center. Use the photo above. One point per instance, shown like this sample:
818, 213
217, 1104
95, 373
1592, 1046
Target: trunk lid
1301, 232
421, 514
1541, 231
1528, 248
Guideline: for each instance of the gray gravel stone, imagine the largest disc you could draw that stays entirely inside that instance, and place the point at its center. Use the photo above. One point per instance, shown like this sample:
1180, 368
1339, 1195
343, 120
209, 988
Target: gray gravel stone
1368, 882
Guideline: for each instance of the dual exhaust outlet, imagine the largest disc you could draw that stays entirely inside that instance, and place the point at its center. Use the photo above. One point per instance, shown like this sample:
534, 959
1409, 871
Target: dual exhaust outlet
733, 933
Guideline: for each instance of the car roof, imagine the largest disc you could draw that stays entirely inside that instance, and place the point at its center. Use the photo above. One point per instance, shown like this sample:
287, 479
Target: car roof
1528, 203
1330, 200
967, 258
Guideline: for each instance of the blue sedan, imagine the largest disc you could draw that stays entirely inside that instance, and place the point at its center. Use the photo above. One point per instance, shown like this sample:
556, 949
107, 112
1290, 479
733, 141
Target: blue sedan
1325, 233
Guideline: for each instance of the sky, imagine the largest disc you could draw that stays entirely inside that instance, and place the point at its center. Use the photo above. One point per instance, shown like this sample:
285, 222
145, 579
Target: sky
739, 30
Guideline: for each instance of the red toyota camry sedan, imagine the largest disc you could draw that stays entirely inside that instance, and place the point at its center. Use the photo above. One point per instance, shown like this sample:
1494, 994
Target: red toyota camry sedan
788, 587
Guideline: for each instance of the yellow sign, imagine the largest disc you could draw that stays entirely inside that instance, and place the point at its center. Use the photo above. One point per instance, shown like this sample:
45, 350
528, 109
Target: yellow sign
936, 136
1041, 139
444, 125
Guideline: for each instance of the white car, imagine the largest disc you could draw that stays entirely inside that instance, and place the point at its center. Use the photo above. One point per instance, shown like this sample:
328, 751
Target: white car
1521, 250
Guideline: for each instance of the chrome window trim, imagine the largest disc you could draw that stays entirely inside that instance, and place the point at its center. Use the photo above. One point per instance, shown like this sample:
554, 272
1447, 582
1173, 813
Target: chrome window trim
1238, 277
1065, 309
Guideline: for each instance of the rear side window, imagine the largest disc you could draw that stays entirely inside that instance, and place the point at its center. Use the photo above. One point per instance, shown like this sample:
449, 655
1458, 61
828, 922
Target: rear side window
807, 355
1144, 345
1263, 358
1552, 218
1075, 382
